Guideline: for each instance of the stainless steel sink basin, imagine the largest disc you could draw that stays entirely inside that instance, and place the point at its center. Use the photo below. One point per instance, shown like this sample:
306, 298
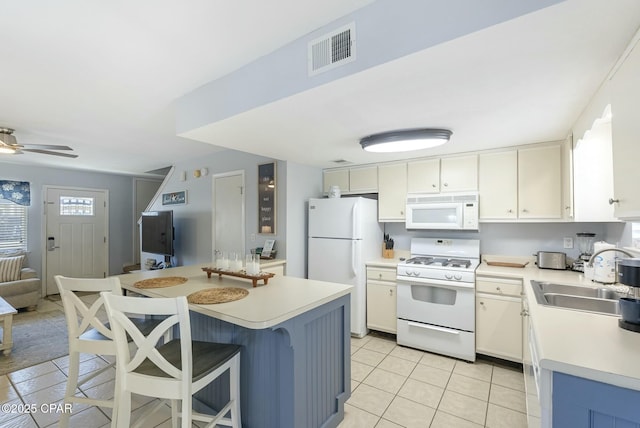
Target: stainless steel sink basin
599, 300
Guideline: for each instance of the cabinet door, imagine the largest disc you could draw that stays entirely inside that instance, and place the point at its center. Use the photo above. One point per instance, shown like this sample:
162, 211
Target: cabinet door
392, 192
423, 176
540, 182
499, 327
459, 174
335, 177
498, 185
381, 306
363, 180
625, 93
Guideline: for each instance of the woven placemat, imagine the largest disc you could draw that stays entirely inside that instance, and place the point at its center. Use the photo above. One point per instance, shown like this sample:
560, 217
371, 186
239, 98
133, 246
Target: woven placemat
168, 281
210, 296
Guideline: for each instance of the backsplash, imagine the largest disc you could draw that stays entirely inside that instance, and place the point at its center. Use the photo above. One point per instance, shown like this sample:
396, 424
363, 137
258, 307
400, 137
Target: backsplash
519, 239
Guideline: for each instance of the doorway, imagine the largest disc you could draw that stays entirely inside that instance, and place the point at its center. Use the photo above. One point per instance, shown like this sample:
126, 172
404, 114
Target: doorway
75, 240
229, 212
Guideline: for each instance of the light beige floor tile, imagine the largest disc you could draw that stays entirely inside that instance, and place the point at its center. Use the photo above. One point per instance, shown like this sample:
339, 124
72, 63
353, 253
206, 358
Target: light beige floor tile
507, 397
7, 393
464, 407
409, 414
438, 361
370, 399
106, 376
380, 345
407, 353
358, 342
511, 378
63, 362
397, 365
431, 375
45, 418
48, 395
158, 417
32, 372
10, 412
500, 417
354, 385
445, 420
383, 423
22, 421
469, 386
421, 392
354, 348
41, 382
89, 418
357, 418
478, 370
367, 356
359, 371
384, 380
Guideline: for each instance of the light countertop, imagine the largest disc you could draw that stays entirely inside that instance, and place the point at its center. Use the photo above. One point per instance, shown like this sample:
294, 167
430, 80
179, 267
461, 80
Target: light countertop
283, 298
579, 343
389, 263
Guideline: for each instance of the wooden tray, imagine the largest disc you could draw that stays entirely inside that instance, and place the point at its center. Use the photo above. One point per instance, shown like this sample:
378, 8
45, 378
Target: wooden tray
264, 276
508, 264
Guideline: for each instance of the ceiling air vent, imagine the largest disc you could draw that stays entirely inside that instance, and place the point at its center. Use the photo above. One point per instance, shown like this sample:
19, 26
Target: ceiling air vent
332, 50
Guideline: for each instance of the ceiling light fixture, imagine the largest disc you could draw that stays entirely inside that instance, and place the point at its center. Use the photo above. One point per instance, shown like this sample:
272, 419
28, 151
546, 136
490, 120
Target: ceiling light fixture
405, 140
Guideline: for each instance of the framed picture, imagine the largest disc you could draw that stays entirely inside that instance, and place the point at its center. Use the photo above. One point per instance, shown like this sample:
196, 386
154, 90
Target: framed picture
267, 198
174, 198
267, 248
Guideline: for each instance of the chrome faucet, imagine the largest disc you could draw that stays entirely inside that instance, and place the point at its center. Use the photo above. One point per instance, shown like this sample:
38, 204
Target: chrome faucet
626, 253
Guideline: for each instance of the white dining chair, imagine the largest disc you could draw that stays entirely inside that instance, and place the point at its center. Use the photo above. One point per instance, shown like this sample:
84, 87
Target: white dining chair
89, 333
172, 371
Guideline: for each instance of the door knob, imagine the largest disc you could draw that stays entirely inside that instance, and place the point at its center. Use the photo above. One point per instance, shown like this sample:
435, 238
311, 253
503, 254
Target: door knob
613, 201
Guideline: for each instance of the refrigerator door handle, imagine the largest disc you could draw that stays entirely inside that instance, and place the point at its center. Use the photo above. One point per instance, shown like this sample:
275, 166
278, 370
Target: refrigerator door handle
354, 221
353, 257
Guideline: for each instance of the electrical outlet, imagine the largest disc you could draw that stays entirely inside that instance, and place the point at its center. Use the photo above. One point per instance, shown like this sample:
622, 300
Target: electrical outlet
253, 237
568, 242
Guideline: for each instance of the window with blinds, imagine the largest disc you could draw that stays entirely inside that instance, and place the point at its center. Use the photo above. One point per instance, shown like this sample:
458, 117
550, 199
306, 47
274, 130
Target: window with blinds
13, 226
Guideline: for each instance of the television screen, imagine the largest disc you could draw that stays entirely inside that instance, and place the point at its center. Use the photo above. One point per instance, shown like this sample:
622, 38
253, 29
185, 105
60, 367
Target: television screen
157, 232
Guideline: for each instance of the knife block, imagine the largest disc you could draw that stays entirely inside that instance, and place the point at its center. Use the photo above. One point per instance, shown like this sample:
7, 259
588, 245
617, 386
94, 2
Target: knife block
386, 254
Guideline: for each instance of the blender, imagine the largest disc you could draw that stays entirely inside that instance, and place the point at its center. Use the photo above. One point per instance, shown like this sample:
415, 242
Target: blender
585, 246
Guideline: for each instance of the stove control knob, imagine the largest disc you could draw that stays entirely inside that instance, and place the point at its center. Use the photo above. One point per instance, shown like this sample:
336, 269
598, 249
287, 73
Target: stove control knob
458, 277
416, 273
448, 276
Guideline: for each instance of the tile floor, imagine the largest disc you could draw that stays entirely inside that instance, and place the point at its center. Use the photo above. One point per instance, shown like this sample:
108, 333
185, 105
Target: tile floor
392, 387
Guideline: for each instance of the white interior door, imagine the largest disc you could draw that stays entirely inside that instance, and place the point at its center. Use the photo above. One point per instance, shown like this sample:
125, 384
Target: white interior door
75, 234
228, 212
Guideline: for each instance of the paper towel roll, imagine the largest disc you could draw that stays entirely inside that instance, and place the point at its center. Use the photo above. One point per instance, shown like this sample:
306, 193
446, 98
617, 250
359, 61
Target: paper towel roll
604, 265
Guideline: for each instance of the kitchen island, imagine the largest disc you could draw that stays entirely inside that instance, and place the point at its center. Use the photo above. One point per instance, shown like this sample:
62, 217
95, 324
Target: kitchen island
295, 337
588, 372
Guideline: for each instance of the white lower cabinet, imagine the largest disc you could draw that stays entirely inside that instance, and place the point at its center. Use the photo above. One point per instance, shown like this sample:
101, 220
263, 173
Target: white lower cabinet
498, 318
381, 299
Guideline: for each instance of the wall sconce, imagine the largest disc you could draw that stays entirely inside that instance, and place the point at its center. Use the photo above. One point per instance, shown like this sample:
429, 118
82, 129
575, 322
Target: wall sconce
196, 173
203, 172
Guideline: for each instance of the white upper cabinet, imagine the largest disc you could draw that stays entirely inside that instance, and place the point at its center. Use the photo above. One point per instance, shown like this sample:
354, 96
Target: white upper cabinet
459, 174
625, 93
392, 192
593, 173
363, 180
451, 174
355, 180
540, 182
498, 179
423, 176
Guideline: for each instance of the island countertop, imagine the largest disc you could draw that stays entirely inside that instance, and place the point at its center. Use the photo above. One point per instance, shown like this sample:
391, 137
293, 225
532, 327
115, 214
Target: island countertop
283, 298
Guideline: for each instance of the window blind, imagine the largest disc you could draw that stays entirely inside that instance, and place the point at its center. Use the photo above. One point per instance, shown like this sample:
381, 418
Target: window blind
13, 226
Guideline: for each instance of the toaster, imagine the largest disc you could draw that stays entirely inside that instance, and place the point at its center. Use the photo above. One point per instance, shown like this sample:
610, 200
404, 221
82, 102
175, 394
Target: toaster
551, 260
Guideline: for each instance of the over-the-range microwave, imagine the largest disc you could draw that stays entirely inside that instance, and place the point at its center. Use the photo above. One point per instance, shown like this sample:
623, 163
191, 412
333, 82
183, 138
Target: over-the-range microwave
446, 211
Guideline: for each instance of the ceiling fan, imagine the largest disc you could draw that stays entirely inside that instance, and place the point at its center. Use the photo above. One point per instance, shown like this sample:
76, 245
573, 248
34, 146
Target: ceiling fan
9, 145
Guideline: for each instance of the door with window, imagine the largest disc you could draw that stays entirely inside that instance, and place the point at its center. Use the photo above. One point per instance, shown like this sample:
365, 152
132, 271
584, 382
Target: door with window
75, 235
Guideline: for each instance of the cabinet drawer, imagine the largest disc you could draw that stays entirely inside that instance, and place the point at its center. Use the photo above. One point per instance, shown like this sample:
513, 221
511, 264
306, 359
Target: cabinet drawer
501, 286
381, 274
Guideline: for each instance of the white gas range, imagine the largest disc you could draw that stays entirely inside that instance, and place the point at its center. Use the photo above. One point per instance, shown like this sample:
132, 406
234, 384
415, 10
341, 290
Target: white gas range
436, 296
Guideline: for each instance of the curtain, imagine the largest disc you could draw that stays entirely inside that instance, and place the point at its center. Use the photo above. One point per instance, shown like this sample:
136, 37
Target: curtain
16, 191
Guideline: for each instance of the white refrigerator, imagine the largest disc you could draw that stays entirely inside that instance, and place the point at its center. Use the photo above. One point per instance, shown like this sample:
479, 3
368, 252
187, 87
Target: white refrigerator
344, 234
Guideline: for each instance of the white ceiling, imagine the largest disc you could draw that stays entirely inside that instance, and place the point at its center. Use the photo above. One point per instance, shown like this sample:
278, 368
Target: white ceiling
102, 77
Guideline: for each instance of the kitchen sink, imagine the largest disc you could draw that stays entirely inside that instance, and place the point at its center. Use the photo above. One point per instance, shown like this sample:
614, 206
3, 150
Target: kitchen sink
599, 300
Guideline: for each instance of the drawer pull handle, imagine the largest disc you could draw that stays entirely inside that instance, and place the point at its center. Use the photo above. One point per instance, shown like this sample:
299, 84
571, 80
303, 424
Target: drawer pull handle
433, 327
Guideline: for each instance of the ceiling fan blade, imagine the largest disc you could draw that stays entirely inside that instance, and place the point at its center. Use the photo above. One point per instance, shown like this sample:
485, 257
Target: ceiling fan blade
47, 152
46, 147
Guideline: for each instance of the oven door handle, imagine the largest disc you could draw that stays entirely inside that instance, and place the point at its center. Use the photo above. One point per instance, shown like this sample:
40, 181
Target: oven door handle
426, 282
433, 327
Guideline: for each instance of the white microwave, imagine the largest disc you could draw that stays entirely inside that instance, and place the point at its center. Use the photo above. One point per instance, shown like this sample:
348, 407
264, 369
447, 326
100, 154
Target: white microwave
446, 211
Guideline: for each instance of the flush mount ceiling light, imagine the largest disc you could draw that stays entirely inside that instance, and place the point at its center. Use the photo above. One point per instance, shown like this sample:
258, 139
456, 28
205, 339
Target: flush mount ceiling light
405, 140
